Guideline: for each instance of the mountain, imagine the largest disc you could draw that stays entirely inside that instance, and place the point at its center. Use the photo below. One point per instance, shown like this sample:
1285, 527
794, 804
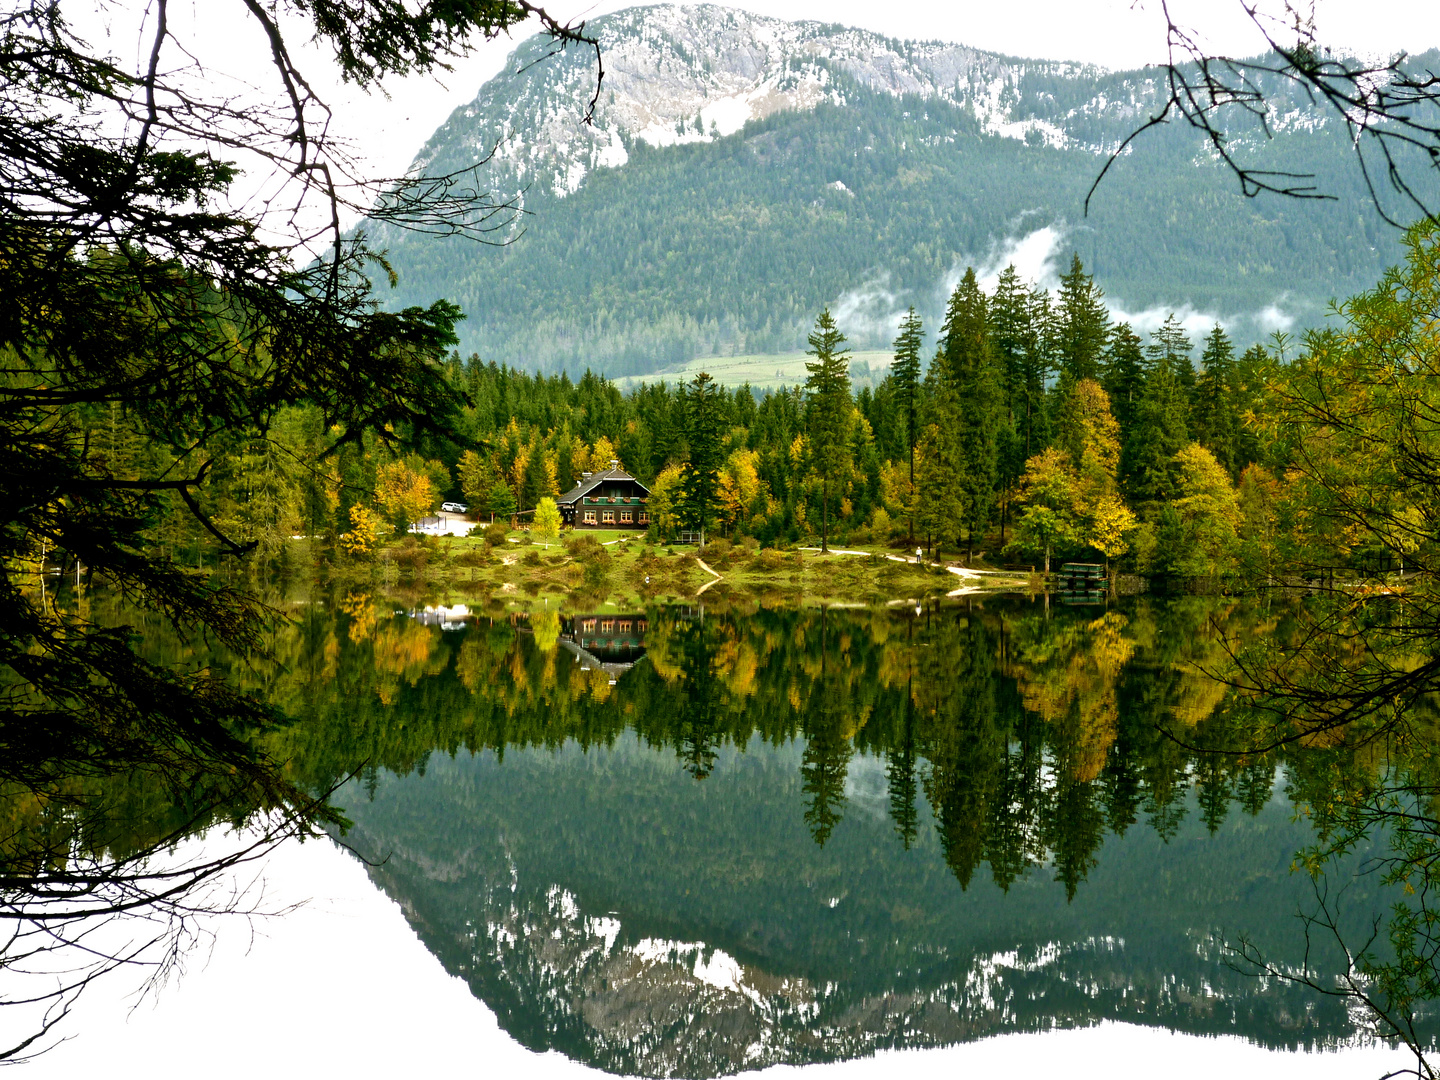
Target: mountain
741, 172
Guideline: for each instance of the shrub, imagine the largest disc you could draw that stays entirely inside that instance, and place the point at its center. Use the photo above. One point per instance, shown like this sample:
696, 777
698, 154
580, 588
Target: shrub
586, 547
531, 558
495, 533
769, 559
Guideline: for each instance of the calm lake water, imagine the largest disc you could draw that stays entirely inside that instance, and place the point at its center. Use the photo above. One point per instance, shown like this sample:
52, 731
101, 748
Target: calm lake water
697, 841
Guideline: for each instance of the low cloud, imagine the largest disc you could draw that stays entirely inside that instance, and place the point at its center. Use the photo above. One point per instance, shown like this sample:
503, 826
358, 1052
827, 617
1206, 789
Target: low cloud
871, 314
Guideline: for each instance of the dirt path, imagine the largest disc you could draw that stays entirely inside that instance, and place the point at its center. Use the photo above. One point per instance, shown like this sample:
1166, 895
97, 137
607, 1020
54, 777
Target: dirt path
706, 568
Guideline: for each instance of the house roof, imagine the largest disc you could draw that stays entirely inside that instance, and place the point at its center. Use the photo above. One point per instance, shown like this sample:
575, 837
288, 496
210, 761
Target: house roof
584, 488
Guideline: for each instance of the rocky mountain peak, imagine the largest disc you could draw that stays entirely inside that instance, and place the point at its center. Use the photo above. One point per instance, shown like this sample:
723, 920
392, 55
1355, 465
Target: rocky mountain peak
676, 74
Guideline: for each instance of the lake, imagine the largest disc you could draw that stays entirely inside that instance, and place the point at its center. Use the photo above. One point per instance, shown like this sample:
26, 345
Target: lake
695, 841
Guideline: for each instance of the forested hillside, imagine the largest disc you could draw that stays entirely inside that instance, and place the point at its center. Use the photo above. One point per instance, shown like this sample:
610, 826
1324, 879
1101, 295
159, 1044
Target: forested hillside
865, 195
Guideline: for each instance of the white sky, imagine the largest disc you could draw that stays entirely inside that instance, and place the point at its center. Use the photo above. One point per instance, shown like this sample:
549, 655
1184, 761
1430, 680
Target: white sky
1113, 33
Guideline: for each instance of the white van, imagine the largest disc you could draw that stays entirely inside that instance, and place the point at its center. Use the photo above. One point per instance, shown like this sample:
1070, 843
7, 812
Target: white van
454, 508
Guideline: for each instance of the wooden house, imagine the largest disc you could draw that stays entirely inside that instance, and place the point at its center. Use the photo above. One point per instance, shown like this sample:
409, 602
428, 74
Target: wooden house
612, 499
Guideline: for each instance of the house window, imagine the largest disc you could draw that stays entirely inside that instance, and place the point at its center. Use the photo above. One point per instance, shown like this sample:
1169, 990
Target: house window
624, 626
607, 517
589, 626
607, 626
589, 517
625, 517
644, 517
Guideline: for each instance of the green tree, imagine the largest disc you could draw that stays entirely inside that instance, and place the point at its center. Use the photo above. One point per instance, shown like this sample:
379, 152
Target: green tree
500, 501
905, 371
969, 372
827, 410
1161, 428
1215, 414
135, 278
1084, 324
699, 501
1124, 373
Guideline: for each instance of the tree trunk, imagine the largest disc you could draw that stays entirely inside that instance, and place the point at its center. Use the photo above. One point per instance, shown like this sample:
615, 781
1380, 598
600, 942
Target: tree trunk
911, 534
825, 516
1047, 559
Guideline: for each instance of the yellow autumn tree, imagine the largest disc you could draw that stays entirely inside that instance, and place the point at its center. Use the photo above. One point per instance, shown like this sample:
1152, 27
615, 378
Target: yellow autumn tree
366, 530
404, 493
739, 485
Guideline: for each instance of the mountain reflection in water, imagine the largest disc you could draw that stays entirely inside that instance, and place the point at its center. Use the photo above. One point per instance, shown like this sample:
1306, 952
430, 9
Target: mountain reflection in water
717, 840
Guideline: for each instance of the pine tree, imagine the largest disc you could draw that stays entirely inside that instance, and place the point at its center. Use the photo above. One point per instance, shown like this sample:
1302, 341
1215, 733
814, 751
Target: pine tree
1160, 430
905, 371
700, 476
1124, 374
969, 371
1012, 335
827, 407
1084, 324
1170, 346
1215, 413
1041, 349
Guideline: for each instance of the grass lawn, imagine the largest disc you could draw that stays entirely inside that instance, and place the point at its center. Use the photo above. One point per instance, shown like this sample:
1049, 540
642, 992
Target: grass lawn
763, 371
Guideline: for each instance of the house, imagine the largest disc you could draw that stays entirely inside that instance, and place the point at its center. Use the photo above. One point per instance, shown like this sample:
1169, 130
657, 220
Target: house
612, 499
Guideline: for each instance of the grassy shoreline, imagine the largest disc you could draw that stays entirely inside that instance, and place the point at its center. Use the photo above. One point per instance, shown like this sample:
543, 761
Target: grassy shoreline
623, 569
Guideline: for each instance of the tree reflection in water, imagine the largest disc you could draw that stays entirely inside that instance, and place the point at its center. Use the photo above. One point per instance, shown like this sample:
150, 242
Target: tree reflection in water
1015, 741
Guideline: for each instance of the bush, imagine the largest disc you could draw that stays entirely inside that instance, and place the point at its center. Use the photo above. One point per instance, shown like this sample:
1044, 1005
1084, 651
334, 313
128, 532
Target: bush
586, 547
495, 533
770, 559
531, 558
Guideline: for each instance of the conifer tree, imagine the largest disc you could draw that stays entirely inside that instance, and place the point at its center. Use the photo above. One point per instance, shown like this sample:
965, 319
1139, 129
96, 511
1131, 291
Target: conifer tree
970, 373
1170, 346
1124, 374
1215, 413
1160, 429
905, 371
828, 407
1010, 333
699, 502
1041, 349
1084, 324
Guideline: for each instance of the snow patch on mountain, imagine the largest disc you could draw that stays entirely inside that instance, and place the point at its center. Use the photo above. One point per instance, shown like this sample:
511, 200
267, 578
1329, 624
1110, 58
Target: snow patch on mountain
688, 74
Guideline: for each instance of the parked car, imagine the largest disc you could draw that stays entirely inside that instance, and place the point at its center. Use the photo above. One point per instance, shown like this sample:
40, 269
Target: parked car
454, 508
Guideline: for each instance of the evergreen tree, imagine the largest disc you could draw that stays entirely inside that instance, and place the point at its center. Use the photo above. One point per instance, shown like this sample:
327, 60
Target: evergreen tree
1084, 325
1041, 349
1215, 413
700, 476
1170, 346
1160, 430
499, 501
1010, 334
905, 371
1124, 374
970, 373
828, 406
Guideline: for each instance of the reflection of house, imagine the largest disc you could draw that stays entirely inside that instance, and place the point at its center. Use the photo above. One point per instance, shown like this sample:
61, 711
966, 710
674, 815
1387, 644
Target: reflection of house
447, 618
612, 499
609, 643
